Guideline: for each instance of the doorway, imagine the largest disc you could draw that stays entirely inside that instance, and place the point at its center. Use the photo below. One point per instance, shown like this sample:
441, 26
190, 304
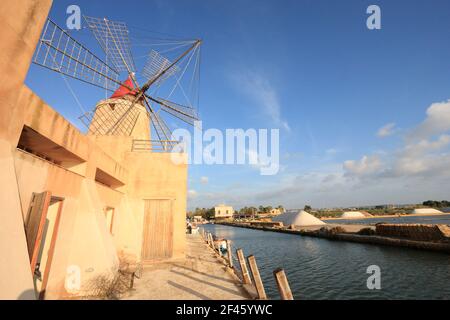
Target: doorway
157, 242
109, 215
41, 229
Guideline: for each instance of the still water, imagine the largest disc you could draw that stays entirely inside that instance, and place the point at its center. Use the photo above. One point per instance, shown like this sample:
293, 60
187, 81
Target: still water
323, 269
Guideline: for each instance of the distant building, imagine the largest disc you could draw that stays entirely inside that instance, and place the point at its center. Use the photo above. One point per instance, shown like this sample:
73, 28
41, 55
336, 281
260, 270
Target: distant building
275, 212
222, 212
197, 218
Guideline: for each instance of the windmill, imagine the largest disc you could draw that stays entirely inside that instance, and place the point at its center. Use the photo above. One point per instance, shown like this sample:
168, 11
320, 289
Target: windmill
131, 103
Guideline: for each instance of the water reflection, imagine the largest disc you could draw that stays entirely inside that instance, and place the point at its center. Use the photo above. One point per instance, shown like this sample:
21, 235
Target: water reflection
323, 269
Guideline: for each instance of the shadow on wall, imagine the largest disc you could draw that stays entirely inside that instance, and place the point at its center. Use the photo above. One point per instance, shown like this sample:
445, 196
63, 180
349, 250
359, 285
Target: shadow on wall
27, 295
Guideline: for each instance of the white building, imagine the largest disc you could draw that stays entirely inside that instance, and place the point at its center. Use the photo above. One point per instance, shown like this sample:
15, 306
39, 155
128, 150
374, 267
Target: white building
222, 211
275, 212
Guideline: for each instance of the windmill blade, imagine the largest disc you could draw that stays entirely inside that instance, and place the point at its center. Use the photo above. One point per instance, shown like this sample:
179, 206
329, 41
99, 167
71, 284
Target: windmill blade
113, 37
156, 63
58, 51
184, 113
162, 130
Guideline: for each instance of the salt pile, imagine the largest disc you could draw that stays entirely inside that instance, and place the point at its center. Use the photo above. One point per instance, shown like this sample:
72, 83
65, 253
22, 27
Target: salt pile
353, 215
426, 211
298, 218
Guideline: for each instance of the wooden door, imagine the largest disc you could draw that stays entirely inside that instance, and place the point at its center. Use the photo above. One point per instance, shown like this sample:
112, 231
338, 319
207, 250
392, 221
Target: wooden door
41, 228
47, 246
34, 225
157, 240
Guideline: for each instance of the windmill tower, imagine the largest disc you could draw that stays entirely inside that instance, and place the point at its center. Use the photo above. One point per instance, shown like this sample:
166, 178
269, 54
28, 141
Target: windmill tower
118, 116
131, 110
120, 163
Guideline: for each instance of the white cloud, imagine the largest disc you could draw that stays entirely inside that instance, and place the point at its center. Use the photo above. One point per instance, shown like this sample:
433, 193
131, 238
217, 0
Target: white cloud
426, 157
366, 166
417, 170
204, 180
258, 88
386, 130
436, 122
331, 151
192, 194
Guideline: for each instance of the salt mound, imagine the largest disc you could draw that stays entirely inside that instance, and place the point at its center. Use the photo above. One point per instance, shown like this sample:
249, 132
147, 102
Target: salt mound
353, 215
426, 211
298, 218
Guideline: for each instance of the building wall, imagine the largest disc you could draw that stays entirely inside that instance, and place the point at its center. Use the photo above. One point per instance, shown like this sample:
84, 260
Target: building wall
21, 22
156, 176
84, 239
223, 212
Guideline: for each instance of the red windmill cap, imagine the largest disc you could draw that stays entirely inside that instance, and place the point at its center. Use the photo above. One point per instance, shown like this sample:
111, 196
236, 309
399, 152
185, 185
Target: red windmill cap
124, 89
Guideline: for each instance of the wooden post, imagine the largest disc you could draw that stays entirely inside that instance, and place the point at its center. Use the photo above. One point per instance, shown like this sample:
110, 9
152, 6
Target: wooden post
245, 275
230, 254
211, 239
283, 285
257, 278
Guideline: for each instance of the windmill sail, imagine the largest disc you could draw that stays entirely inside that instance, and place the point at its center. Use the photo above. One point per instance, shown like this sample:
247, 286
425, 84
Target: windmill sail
156, 64
184, 113
113, 37
123, 113
59, 52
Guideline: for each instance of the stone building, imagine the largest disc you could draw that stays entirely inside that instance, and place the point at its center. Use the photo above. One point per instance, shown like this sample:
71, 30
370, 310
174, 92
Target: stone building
223, 212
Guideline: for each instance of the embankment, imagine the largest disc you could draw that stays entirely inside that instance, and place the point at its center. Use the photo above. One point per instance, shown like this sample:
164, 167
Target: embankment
397, 241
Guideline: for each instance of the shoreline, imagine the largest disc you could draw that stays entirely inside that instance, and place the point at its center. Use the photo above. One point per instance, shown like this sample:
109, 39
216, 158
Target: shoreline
390, 216
441, 247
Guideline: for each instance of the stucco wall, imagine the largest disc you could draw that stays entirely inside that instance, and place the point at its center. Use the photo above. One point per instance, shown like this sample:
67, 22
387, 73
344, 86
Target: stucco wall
21, 22
84, 239
155, 176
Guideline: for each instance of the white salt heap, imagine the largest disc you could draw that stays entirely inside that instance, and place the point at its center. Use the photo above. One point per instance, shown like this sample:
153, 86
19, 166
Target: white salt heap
426, 211
298, 218
353, 215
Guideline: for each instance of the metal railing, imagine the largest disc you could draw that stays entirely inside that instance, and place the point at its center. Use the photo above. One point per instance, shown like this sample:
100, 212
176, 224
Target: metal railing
157, 146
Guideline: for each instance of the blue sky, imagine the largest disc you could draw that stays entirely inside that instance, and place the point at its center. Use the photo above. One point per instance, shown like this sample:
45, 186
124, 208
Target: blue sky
333, 84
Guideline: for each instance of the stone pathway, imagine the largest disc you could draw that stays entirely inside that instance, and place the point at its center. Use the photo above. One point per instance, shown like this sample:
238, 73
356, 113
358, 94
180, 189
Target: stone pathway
201, 276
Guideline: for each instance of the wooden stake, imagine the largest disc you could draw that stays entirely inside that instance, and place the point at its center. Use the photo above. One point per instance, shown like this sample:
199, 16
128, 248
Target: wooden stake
219, 244
257, 278
230, 254
211, 239
245, 275
283, 285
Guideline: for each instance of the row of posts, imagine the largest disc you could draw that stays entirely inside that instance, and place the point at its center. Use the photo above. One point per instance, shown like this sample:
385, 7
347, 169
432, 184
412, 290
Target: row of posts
279, 274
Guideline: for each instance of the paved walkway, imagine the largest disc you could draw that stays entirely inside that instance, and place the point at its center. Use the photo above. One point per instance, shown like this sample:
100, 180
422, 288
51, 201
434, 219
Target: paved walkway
201, 276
